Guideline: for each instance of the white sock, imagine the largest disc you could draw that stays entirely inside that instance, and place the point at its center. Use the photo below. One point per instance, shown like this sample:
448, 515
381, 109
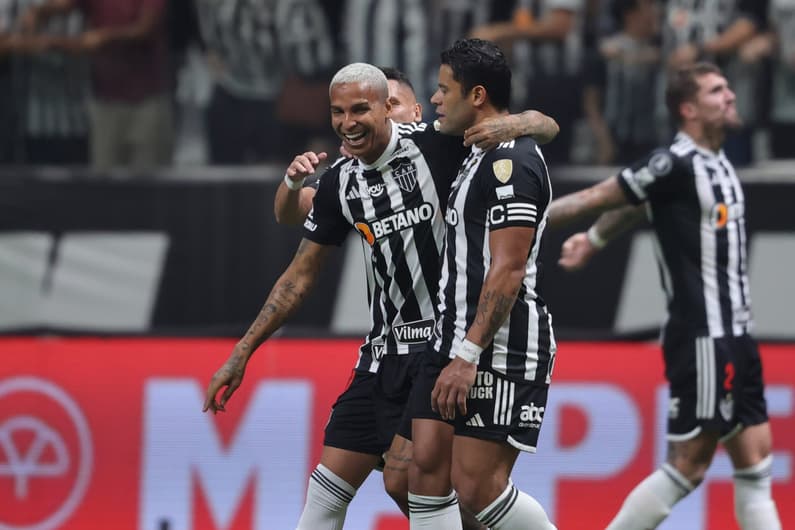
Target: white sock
439, 513
651, 501
753, 503
327, 500
515, 510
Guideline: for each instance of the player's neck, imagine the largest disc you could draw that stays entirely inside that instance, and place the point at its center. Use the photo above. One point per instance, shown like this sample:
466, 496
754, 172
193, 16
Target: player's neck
710, 138
488, 112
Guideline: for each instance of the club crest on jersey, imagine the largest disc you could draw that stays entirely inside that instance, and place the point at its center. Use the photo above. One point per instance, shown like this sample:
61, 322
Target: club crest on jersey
503, 169
406, 176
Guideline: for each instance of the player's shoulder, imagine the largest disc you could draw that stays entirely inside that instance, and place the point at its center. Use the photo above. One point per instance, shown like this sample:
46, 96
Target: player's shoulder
663, 161
520, 150
412, 128
330, 176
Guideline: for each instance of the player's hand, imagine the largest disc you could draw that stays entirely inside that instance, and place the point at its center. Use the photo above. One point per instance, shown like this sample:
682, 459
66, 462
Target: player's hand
452, 387
230, 375
304, 165
490, 132
576, 251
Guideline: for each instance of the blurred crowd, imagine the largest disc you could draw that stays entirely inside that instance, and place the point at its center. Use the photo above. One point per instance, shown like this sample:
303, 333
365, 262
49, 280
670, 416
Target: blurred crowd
148, 83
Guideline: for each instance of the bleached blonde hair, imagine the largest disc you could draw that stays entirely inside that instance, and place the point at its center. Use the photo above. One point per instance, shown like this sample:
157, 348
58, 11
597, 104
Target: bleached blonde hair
363, 73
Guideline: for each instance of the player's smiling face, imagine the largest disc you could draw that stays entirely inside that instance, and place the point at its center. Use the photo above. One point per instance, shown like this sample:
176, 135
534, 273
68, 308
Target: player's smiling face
359, 117
455, 111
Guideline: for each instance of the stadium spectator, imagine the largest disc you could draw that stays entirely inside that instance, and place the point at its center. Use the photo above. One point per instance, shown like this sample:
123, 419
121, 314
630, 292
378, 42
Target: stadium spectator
389, 33
399, 174
45, 91
778, 45
253, 48
493, 335
696, 207
695, 30
131, 115
620, 83
545, 41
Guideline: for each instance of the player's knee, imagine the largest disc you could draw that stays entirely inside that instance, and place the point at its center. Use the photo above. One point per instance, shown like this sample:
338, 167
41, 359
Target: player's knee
475, 493
430, 460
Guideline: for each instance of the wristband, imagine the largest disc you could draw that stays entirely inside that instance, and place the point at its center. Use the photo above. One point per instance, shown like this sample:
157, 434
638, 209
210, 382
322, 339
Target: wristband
595, 239
469, 351
292, 184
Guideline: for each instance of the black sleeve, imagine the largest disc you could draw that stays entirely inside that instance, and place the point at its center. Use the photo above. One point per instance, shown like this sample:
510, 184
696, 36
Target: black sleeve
444, 154
325, 223
512, 181
659, 173
313, 180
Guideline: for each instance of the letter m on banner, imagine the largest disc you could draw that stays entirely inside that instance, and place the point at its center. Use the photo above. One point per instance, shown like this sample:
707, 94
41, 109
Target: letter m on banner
181, 447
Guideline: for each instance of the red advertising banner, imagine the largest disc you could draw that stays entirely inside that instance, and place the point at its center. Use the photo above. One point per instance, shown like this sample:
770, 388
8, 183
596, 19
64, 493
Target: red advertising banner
108, 434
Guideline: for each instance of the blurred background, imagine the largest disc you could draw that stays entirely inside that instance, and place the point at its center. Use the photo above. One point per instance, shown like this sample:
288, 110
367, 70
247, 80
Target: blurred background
141, 144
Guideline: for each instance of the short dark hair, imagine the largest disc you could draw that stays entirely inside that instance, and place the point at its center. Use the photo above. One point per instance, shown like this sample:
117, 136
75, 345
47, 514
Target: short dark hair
480, 62
683, 85
396, 75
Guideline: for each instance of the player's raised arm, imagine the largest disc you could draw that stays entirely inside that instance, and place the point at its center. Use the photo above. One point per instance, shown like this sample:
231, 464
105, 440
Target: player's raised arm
579, 248
490, 132
294, 200
284, 299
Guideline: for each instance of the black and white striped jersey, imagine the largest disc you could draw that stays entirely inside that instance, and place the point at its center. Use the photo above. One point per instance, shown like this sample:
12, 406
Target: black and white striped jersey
506, 186
397, 206
697, 209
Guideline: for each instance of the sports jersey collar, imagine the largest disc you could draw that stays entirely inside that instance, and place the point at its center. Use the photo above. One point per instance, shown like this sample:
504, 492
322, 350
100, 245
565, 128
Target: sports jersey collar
476, 150
683, 136
390, 148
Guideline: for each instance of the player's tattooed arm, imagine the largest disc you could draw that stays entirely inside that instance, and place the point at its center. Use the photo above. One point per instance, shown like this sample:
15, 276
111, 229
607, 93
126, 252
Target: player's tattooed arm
287, 295
593, 200
493, 308
490, 132
509, 248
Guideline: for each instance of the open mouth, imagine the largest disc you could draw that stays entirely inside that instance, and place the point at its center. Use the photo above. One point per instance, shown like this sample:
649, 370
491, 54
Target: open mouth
354, 139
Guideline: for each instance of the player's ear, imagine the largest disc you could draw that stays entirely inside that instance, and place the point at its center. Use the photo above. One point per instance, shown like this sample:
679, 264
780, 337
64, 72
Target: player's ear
418, 112
687, 109
479, 95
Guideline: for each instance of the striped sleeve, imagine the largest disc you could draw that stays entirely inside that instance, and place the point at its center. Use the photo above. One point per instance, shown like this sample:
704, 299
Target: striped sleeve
510, 179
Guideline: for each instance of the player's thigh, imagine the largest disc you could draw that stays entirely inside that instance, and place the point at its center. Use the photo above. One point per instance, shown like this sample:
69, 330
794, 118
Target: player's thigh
351, 466
693, 456
749, 446
391, 394
353, 424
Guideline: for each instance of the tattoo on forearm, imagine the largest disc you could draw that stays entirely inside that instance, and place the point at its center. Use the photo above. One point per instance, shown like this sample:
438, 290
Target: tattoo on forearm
492, 311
